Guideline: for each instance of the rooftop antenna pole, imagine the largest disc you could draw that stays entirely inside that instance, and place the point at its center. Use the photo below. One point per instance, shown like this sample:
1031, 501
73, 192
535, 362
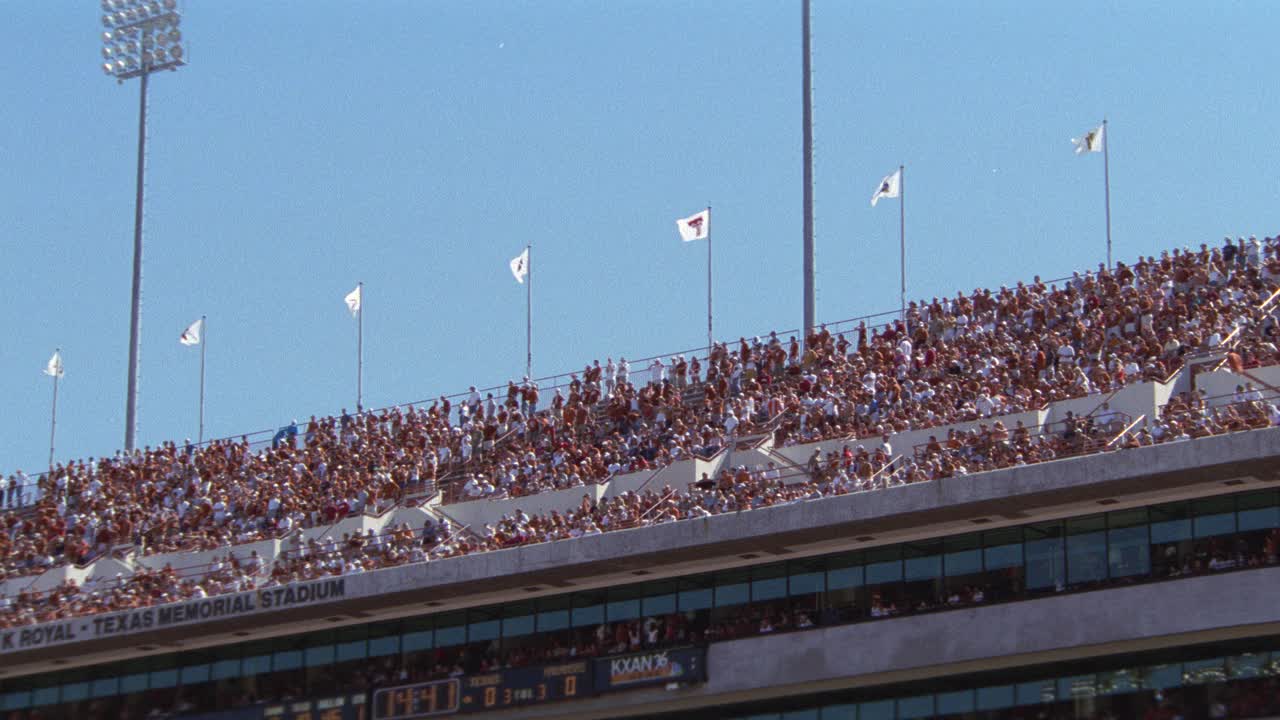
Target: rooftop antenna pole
807, 99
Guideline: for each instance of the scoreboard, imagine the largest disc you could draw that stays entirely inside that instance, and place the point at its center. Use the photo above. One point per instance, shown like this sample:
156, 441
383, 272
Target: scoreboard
516, 687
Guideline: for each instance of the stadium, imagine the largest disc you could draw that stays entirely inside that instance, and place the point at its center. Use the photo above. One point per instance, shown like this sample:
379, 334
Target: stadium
1056, 499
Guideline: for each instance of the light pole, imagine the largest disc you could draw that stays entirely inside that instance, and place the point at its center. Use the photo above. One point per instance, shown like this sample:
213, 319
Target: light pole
141, 37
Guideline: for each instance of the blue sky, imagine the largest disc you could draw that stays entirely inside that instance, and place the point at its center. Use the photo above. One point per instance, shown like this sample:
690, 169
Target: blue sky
418, 146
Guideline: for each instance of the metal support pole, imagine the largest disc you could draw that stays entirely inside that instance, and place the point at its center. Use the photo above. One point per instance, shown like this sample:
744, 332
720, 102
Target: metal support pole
710, 336
360, 351
1106, 181
53, 421
528, 314
135, 311
807, 114
204, 342
902, 238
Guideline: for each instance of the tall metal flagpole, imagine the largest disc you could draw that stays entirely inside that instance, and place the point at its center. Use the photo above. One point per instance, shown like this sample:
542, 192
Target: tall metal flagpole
204, 340
1106, 181
710, 336
807, 122
902, 238
360, 350
53, 422
528, 313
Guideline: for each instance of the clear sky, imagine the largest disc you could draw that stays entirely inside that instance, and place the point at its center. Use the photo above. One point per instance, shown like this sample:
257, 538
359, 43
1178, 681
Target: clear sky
418, 146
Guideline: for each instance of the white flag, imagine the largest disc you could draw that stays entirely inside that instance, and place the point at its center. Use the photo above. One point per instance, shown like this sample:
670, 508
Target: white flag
520, 266
193, 333
54, 367
890, 187
353, 301
1091, 142
695, 227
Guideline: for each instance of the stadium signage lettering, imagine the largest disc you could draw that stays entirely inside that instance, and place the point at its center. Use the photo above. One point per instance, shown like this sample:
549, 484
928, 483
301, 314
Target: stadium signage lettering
230, 606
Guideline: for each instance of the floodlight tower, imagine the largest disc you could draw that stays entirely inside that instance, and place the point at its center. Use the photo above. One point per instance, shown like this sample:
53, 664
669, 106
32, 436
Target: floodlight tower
141, 37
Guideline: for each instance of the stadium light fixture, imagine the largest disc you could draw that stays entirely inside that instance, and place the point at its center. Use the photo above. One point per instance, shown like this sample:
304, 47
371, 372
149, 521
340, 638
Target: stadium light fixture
139, 37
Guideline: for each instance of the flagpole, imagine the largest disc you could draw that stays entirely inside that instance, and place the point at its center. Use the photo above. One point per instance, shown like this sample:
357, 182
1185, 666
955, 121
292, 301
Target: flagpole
1106, 182
360, 350
710, 337
53, 421
528, 313
902, 239
204, 340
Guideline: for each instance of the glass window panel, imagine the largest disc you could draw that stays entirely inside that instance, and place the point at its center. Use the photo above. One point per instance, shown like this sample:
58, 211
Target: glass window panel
764, 716
924, 568
769, 589
1045, 564
137, 682
193, 674
1003, 556
623, 610
15, 700
1092, 523
1039, 692
1210, 525
845, 577
354, 650
163, 679
1119, 682
1127, 518
44, 696
920, 706
413, 641
884, 572
257, 665
733, 594
1129, 553
1158, 677
1170, 531
878, 710
286, 660
965, 562
106, 687
588, 609
72, 692
696, 599
995, 698
1201, 672
1259, 519
451, 630
840, 712
808, 583
1086, 558
955, 702
1077, 686
553, 620
1249, 665
1214, 516
518, 626
957, 543
483, 630
660, 605
801, 715
390, 645
224, 669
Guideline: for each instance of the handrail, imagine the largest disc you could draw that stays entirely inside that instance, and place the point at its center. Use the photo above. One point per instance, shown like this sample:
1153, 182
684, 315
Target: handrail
1127, 428
887, 467
1262, 307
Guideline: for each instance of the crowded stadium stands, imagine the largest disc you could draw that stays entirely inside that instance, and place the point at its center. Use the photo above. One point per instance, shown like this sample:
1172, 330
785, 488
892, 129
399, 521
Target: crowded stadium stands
959, 386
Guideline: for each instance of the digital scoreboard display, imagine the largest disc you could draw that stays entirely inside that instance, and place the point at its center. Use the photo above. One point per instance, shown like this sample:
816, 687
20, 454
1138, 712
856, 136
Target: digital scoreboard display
416, 701
526, 686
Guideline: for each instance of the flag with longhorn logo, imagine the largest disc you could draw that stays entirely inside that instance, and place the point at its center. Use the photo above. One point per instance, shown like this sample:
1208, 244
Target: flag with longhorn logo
1090, 142
520, 266
353, 301
191, 336
890, 187
54, 367
695, 227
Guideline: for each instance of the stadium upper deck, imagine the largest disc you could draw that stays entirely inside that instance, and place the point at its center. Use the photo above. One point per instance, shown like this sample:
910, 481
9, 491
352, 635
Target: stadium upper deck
1002, 356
